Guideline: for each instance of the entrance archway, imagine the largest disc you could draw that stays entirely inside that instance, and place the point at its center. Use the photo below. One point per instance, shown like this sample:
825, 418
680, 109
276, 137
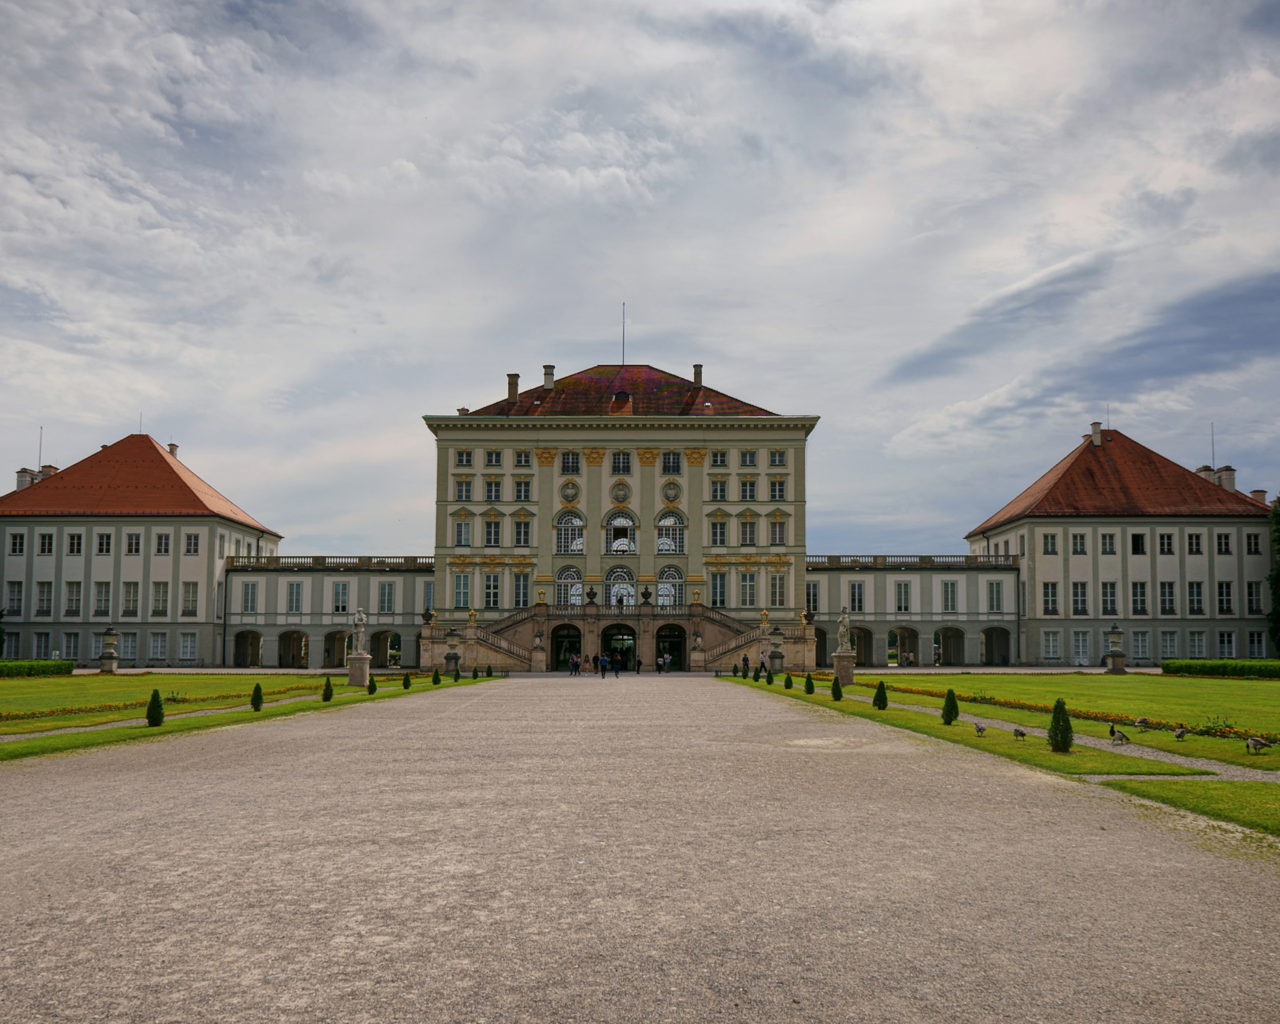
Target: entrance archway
995, 646
565, 640
292, 648
385, 648
904, 644
335, 648
820, 648
949, 646
619, 640
860, 639
248, 649
671, 640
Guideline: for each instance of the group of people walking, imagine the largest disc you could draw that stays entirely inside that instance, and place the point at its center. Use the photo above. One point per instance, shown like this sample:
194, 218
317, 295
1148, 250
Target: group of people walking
602, 663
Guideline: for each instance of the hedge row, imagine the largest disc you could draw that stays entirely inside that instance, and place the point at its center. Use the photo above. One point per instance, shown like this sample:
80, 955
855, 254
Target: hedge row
1250, 668
44, 667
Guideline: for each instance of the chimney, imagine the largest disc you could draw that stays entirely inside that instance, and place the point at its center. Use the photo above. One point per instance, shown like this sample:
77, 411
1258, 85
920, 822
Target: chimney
513, 386
47, 471
26, 477
548, 376
173, 449
463, 410
1225, 476
1206, 472
1259, 495
697, 375
1095, 432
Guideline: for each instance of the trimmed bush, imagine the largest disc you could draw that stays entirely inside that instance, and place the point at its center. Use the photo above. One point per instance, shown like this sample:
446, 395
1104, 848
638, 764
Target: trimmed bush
457, 676
837, 691
255, 700
155, 709
373, 685
406, 680
1255, 668
950, 708
1061, 735
435, 677
808, 682
31, 667
768, 678
881, 700
326, 694
786, 683
735, 670
755, 676
488, 671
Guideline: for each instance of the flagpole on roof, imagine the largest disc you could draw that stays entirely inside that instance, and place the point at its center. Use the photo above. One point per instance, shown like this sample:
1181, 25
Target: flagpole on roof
624, 334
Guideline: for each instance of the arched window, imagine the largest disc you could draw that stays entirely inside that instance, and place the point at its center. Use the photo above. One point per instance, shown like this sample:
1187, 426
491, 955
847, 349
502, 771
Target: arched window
569, 534
569, 586
619, 583
670, 587
670, 534
620, 533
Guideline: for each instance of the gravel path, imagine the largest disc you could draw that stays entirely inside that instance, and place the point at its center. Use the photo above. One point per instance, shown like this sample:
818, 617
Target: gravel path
673, 848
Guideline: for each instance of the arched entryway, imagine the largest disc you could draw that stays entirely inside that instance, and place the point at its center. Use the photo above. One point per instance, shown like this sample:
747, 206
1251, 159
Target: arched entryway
995, 646
860, 641
335, 648
671, 640
565, 640
292, 649
948, 646
248, 649
384, 646
820, 656
904, 646
619, 640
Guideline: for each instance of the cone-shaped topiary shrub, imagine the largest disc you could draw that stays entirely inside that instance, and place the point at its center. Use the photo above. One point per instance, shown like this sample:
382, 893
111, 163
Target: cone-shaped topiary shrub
837, 691
155, 709
435, 677
373, 685
326, 694
735, 670
457, 676
786, 683
1061, 735
769, 677
488, 671
808, 682
755, 676
328, 682
405, 681
255, 701
950, 708
881, 700
475, 672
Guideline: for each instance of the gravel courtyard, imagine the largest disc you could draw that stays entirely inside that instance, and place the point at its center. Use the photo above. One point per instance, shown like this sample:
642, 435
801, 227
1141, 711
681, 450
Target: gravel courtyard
661, 848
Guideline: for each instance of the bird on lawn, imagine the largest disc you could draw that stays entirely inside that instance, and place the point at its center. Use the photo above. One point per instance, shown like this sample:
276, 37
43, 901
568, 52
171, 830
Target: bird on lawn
1180, 732
1117, 736
1142, 723
1255, 744
1019, 734
979, 728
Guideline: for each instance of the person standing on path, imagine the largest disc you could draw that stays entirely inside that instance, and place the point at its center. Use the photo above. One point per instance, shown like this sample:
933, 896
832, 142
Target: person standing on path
617, 666
604, 665
638, 663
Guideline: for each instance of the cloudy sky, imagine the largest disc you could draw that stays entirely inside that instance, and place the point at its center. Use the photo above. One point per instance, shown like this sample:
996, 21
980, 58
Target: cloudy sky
281, 232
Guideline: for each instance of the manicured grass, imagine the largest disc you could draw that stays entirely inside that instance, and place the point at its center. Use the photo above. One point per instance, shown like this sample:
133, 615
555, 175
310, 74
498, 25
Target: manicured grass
1032, 751
1254, 805
173, 725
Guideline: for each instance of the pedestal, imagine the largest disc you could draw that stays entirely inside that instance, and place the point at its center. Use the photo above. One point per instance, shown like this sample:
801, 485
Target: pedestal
358, 669
844, 662
108, 662
538, 660
1115, 663
776, 661
451, 663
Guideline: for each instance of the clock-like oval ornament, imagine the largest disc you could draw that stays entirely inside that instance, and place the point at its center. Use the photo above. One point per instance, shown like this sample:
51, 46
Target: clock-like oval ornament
570, 491
671, 491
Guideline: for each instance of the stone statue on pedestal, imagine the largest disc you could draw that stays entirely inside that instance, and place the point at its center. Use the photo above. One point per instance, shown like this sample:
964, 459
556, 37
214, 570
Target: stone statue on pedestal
358, 621
842, 631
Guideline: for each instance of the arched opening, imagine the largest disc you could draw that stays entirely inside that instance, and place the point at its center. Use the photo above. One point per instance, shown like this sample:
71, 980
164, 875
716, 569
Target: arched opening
620, 533
670, 587
670, 533
860, 641
292, 649
619, 587
565, 640
384, 646
569, 586
820, 657
671, 640
619, 641
335, 648
569, 528
995, 646
904, 646
248, 649
948, 646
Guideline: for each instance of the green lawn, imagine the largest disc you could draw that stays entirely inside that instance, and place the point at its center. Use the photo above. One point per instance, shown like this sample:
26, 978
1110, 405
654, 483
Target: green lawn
1254, 805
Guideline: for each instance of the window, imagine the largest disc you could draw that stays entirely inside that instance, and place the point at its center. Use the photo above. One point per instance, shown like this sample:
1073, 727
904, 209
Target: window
162, 543
1224, 543
524, 458
1138, 543
1194, 548
949, 589
1257, 644
1077, 544
569, 586
493, 533
44, 598
746, 458
1253, 597
1108, 595
1252, 544
1049, 595
520, 596
462, 457
1050, 544
1168, 599
747, 533
777, 456
222, 545
1080, 647
902, 592
293, 598
462, 490
856, 591
130, 597
73, 597
129, 646
462, 591
1195, 598
521, 533
102, 599
1166, 543
386, 598
1226, 643
1079, 598
17, 543
462, 533
1052, 646
619, 587
187, 647
340, 598
569, 534
1168, 644
75, 543
670, 534
747, 588
10, 648
71, 646
1140, 641
620, 533
159, 646
493, 457
524, 490
746, 490
1107, 543
719, 457
1138, 599
1224, 597
777, 490
249, 598
192, 544
104, 543
670, 587
719, 533
995, 596
718, 589
492, 589
719, 490
133, 543
190, 598
777, 590
1195, 643
493, 490
778, 532
46, 544
217, 600
621, 463
671, 462
428, 594
811, 597
40, 646
569, 463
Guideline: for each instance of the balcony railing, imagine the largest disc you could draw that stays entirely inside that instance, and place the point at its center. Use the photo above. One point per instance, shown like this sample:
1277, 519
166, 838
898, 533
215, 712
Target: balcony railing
340, 563
911, 561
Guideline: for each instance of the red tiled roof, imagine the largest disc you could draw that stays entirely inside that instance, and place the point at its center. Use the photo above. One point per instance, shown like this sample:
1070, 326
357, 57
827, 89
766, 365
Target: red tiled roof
1121, 477
644, 391
136, 476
